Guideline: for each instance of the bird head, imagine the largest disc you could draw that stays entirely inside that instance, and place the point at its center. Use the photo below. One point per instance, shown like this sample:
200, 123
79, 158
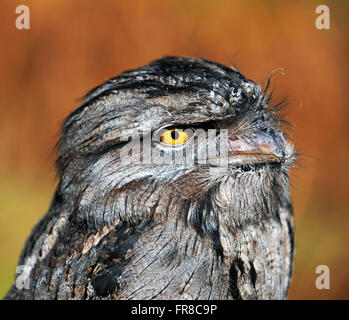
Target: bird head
180, 138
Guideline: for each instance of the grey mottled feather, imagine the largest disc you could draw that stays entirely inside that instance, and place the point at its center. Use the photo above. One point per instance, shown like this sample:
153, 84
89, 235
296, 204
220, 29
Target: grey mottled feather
147, 231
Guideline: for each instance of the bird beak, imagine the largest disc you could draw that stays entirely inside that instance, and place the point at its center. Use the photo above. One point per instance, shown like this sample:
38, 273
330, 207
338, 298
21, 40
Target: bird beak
258, 147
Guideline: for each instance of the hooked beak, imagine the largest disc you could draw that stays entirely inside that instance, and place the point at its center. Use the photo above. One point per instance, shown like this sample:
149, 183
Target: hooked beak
258, 147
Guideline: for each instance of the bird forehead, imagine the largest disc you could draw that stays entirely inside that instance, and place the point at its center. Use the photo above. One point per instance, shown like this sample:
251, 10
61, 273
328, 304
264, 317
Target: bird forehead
197, 80
166, 91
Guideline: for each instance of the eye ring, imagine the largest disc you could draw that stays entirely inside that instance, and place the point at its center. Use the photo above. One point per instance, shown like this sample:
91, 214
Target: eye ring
172, 136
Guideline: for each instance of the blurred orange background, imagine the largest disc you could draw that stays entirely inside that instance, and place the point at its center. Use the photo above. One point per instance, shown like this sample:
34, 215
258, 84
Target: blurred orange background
73, 46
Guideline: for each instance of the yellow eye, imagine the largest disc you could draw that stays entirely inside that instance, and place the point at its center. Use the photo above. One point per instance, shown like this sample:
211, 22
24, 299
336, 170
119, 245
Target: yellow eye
173, 136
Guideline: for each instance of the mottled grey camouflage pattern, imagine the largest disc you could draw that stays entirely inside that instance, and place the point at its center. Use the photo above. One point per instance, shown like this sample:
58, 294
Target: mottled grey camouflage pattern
119, 230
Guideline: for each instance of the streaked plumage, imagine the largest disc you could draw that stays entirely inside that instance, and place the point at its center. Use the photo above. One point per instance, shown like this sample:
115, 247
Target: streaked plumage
153, 231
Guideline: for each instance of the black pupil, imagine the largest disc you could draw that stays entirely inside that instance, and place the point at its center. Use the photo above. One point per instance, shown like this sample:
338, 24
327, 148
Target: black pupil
174, 135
